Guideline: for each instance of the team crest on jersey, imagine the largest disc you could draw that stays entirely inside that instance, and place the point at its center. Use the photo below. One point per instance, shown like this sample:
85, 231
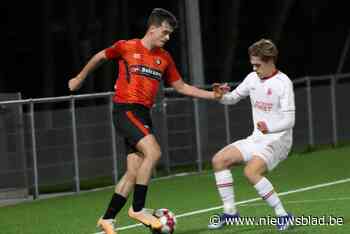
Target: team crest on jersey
158, 61
137, 56
269, 91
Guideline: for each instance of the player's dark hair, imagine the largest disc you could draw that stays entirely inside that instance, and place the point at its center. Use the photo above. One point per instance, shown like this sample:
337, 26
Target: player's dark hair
265, 49
159, 15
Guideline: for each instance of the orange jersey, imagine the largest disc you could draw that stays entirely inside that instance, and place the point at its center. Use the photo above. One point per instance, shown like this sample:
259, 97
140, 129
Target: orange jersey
140, 71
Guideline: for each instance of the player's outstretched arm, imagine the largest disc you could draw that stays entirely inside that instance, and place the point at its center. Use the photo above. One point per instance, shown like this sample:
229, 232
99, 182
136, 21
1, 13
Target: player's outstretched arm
193, 91
98, 59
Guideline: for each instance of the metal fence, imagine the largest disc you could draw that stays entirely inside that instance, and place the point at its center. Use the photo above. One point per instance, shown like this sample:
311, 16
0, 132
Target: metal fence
67, 140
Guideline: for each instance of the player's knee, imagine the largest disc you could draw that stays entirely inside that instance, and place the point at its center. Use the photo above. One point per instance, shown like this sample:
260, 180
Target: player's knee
251, 174
214, 160
217, 162
157, 155
153, 154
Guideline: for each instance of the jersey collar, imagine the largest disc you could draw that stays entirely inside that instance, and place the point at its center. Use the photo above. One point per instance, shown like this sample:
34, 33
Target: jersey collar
270, 76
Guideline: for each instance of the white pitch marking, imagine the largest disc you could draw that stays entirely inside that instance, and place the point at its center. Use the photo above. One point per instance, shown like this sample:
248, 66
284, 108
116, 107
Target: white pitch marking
303, 201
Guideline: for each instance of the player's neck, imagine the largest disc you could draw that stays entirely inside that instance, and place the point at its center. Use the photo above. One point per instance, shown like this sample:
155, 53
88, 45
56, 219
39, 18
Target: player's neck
270, 74
147, 43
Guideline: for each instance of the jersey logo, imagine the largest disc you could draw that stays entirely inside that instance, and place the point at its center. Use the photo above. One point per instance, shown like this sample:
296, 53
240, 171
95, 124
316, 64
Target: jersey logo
269, 91
137, 56
146, 71
263, 106
158, 61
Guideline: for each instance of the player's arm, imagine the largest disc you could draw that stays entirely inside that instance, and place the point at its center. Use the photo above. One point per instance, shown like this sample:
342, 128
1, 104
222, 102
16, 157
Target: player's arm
240, 92
237, 94
189, 90
231, 98
286, 123
98, 59
173, 78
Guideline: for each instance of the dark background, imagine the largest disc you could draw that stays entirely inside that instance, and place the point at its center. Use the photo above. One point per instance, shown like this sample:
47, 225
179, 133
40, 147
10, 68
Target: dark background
45, 43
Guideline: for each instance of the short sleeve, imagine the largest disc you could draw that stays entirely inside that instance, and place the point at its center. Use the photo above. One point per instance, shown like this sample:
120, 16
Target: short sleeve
171, 72
287, 99
115, 51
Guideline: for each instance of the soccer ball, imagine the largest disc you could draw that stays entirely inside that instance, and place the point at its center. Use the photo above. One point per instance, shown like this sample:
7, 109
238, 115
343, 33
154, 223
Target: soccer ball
167, 219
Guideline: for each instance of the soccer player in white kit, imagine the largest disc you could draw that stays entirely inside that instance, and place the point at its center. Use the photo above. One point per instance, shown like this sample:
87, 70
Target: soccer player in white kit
272, 99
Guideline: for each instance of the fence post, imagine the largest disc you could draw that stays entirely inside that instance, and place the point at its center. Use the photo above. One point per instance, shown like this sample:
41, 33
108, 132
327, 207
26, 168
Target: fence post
114, 141
334, 109
165, 133
198, 136
227, 124
34, 151
75, 145
309, 111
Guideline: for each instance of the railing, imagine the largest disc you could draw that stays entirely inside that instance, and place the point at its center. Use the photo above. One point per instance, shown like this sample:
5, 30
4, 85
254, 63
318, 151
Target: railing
190, 131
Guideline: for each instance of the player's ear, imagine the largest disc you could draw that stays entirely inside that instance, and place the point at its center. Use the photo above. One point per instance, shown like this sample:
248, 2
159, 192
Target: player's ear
152, 28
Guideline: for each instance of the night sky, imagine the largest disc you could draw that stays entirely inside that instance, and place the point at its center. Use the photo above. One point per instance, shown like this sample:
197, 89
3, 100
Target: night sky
45, 43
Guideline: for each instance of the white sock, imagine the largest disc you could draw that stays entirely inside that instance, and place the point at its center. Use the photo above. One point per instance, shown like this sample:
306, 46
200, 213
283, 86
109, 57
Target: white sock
266, 191
224, 183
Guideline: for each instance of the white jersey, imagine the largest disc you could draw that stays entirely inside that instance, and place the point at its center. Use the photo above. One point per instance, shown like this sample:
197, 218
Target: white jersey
271, 99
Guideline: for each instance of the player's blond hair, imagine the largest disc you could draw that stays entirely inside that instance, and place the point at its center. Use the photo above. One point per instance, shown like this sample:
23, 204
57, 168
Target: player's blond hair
265, 49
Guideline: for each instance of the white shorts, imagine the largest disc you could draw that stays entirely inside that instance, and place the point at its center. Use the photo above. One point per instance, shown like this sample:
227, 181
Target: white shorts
272, 152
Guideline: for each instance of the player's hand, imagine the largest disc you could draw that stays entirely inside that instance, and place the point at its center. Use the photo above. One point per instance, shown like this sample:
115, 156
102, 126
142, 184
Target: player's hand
75, 83
262, 127
220, 90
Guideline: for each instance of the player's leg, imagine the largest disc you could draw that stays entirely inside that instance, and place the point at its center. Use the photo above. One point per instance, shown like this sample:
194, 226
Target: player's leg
134, 161
222, 162
135, 124
122, 190
124, 186
129, 122
151, 154
254, 171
